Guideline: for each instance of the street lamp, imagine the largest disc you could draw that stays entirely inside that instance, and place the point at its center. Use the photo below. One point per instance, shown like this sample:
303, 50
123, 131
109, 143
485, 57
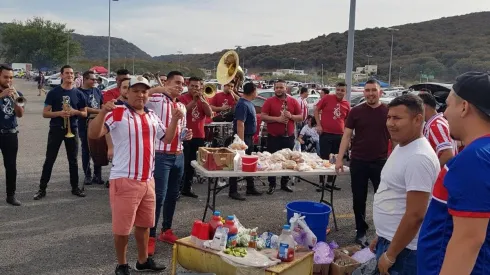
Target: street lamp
294, 64
368, 56
399, 76
391, 53
109, 42
350, 48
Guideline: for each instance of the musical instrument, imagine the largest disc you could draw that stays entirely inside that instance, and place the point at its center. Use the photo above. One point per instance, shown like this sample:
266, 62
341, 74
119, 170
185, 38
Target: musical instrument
67, 124
284, 109
209, 90
217, 133
19, 100
97, 147
229, 69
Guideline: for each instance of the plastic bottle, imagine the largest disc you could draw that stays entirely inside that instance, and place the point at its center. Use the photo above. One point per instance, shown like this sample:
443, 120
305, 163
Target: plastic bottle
253, 239
286, 245
232, 231
214, 223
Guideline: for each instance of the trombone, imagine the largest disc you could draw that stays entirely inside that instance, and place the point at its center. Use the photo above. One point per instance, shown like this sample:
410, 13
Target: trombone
19, 100
67, 124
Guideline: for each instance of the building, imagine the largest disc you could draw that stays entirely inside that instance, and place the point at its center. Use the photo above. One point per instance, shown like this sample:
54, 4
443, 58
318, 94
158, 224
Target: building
207, 73
368, 69
280, 72
355, 76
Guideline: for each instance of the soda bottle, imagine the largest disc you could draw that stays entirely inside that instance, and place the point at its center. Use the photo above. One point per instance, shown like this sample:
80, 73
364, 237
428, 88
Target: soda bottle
232, 231
286, 245
214, 223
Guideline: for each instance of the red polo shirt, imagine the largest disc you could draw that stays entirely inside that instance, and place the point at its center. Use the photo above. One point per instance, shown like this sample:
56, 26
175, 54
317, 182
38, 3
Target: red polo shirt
111, 94
221, 98
333, 114
273, 107
195, 117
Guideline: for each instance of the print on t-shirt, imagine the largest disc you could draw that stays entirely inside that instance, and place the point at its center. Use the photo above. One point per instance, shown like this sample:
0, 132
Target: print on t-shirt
336, 112
65, 100
8, 107
93, 101
225, 103
195, 114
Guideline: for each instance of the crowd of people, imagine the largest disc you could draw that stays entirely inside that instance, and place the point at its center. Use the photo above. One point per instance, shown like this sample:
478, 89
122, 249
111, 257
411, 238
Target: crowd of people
430, 209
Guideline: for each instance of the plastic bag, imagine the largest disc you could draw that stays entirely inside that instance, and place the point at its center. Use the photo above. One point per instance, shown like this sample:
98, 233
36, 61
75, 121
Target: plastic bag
323, 253
363, 255
270, 239
238, 144
302, 234
252, 259
297, 146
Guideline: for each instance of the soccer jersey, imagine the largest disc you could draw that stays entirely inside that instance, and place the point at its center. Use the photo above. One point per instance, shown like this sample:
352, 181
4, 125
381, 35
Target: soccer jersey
462, 189
436, 130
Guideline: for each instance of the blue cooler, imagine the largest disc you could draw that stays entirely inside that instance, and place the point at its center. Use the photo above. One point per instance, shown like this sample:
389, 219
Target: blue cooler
316, 216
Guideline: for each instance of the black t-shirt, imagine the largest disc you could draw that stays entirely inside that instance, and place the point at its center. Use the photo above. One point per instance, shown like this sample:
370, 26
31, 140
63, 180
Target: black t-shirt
8, 120
55, 99
371, 135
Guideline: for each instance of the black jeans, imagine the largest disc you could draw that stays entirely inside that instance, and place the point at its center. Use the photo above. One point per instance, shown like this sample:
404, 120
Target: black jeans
56, 136
250, 180
361, 172
191, 147
82, 131
275, 144
9, 145
329, 144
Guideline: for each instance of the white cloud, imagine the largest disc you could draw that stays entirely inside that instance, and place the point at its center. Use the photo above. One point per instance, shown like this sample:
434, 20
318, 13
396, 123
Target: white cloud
212, 25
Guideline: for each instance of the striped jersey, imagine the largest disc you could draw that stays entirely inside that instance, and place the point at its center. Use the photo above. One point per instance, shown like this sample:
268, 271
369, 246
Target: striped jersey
461, 190
436, 130
134, 143
163, 105
303, 105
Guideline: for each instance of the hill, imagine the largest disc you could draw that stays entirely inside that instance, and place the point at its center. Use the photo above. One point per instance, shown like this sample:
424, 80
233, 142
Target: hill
444, 48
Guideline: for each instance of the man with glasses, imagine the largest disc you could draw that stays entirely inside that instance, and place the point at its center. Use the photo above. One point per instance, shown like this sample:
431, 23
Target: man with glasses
93, 97
369, 151
334, 110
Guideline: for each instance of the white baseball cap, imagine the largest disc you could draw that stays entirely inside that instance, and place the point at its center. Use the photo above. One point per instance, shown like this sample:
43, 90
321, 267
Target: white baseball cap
139, 80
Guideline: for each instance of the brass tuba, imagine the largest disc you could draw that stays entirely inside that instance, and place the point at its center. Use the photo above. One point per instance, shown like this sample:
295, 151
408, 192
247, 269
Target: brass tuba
209, 90
229, 69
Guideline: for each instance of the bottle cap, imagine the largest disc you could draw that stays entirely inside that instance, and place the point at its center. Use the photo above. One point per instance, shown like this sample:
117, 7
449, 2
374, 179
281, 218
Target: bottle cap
230, 218
217, 213
286, 226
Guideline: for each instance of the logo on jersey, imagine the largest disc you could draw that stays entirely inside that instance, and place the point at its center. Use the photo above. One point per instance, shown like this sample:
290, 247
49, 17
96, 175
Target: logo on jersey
336, 112
195, 114
8, 107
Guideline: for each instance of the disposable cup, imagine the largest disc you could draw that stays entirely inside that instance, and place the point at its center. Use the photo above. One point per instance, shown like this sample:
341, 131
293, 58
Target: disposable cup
117, 113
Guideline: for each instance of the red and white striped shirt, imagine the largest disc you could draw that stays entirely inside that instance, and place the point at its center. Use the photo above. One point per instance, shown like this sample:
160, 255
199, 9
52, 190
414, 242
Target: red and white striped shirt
134, 143
436, 130
163, 105
303, 105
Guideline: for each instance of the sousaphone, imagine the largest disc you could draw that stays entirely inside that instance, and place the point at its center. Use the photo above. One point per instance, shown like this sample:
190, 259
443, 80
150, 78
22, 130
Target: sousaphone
229, 69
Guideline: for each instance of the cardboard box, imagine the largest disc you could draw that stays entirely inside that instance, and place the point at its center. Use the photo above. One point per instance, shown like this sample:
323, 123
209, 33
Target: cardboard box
321, 269
351, 249
343, 264
216, 158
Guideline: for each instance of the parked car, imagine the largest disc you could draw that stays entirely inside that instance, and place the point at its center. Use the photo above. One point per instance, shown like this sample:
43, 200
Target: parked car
439, 90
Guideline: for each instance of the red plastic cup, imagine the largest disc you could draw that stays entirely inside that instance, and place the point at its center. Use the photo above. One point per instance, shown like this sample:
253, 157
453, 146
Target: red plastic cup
204, 232
117, 113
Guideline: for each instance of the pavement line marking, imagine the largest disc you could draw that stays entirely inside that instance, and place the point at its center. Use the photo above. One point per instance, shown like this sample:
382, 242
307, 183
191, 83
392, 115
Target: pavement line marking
345, 216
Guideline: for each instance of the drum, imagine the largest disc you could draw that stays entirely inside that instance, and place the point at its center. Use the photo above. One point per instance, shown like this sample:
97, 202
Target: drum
217, 133
98, 148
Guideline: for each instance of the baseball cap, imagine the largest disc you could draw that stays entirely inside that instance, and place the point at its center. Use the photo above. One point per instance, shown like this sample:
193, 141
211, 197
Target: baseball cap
139, 80
474, 87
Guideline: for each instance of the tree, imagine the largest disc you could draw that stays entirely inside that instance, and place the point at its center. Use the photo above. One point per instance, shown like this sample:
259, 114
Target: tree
41, 42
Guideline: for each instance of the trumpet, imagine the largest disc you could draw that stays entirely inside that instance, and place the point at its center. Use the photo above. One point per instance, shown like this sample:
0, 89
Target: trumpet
67, 124
209, 90
19, 100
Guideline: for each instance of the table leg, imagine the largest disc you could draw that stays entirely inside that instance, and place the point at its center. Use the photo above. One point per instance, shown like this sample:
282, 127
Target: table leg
331, 189
207, 199
215, 192
174, 260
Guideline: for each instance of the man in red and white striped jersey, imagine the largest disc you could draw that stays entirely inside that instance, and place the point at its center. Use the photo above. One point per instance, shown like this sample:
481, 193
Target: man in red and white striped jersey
132, 189
436, 130
169, 157
303, 105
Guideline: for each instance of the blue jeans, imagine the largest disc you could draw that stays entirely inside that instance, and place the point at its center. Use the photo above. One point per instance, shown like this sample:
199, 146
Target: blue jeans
406, 262
168, 174
82, 132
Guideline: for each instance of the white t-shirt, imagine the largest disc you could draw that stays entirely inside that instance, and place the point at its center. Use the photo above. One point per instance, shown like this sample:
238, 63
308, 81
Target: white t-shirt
413, 167
311, 132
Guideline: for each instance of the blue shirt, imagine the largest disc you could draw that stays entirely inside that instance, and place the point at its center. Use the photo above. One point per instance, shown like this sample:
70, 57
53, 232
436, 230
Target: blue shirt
93, 97
245, 111
55, 99
461, 190
8, 120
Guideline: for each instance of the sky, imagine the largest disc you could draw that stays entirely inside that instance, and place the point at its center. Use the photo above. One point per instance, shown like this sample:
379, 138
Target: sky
202, 26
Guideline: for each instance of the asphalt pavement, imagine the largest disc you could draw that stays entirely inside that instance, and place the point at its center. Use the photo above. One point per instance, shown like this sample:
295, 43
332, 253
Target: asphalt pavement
64, 234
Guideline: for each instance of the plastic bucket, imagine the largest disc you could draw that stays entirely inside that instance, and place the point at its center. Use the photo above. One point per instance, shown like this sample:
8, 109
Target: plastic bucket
249, 163
316, 216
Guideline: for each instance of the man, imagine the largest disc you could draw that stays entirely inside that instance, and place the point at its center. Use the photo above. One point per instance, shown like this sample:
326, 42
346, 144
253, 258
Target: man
436, 130
116, 92
93, 97
403, 195
303, 106
455, 236
245, 126
368, 151
40, 83
132, 188
78, 80
163, 78
197, 110
334, 110
169, 160
9, 143
324, 92
63, 105
280, 112
223, 103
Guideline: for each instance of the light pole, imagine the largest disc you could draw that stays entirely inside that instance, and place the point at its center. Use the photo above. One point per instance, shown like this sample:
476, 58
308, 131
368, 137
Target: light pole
294, 64
350, 48
368, 56
391, 52
399, 76
109, 42
322, 75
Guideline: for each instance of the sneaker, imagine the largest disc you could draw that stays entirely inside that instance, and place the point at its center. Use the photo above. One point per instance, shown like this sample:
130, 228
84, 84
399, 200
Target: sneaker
150, 265
97, 180
87, 180
123, 270
77, 192
167, 236
151, 246
39, 195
